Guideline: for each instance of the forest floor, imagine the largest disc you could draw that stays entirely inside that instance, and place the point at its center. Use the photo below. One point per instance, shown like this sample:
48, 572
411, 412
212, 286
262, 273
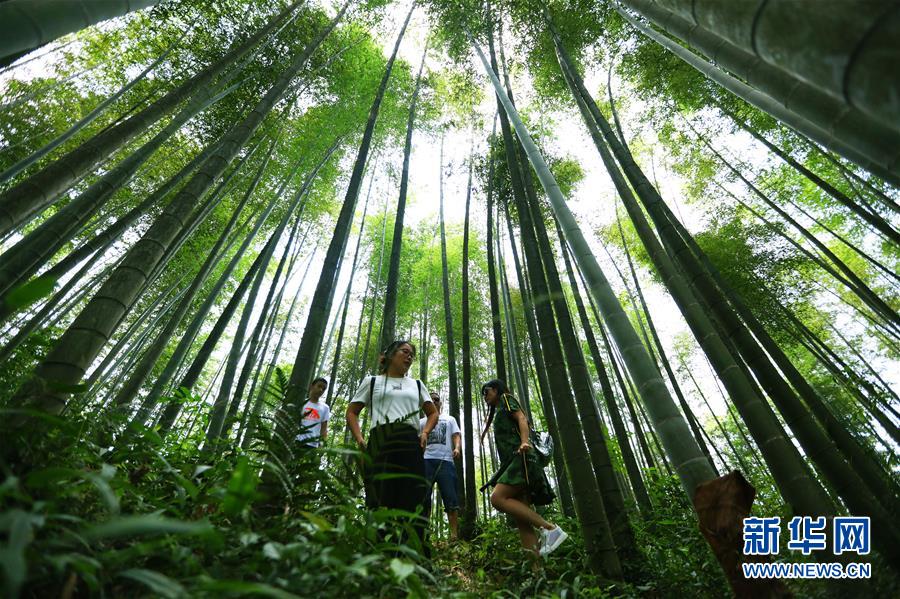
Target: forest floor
158, 518
494, 565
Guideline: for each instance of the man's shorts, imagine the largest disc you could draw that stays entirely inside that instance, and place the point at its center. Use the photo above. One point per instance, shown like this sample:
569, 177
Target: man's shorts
444, 473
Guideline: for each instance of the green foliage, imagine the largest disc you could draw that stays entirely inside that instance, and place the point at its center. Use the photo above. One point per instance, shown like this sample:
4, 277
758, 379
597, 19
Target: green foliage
494, 565
581, 24
452, 20
754, 263
98, 509
675, 550
567, 171
19, 365
461, 92
241, 490
23, 296
148, 518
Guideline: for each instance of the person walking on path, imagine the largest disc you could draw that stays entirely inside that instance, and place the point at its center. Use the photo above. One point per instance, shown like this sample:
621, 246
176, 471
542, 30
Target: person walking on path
442, 447
520, 481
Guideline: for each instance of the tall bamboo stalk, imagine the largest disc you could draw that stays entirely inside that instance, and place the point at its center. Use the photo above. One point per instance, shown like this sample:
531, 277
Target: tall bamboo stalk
389, 314
320, 305
41, 189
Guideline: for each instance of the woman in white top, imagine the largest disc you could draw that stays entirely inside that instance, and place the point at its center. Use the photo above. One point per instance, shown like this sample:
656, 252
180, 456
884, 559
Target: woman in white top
395, 445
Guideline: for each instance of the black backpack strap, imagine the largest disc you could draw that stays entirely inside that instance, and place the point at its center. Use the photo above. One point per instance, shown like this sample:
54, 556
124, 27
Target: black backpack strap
371, 391
418, 388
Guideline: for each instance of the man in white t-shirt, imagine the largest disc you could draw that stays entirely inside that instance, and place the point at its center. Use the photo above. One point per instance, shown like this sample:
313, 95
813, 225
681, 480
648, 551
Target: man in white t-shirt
443, 446
315, 416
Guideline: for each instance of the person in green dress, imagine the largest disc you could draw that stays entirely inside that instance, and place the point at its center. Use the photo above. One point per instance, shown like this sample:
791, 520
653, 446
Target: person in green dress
522, 477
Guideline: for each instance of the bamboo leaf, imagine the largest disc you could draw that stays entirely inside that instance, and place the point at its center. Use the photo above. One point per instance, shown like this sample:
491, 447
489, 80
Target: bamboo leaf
18, 526
241, 588
106, 492
25, 295
48, 476
402, 569
145, 525
159, 583
200, 470
273, 550
320, 522
241, 488
10, 485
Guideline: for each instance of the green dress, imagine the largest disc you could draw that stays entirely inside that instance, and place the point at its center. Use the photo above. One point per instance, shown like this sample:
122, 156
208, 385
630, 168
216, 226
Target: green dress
506, 436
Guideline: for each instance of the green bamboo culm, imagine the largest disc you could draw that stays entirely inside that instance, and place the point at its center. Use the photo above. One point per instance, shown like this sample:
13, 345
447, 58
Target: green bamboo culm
73, 352
881, 161
788, 467
689, 461
320, 305
591, 513
860, 70
826, 117
28, 197
28, 24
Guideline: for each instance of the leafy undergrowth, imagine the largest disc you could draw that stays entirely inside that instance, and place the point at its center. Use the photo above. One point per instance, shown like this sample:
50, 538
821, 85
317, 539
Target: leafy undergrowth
157, 517
493, 564
162, 518
675, 560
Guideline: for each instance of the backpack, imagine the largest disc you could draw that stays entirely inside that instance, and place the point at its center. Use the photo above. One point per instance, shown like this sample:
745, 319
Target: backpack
541, 442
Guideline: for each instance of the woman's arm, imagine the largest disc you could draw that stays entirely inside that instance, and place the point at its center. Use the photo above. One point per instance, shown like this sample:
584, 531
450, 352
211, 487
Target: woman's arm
353, 411
522, 422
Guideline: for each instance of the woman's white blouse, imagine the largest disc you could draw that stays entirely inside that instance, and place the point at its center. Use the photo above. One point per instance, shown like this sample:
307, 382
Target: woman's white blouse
392, 399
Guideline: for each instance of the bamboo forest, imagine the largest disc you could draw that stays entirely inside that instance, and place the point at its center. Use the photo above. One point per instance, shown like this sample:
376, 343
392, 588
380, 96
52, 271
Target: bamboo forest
449, 298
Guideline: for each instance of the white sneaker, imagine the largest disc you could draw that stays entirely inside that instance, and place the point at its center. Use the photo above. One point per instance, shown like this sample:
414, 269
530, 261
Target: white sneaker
552, 539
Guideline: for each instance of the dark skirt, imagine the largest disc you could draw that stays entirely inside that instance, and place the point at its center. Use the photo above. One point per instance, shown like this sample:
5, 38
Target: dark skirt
395, 472
531, 476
